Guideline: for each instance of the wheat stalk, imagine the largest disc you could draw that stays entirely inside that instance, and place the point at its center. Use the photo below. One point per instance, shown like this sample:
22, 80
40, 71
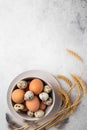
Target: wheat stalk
74, 54
82, 84
65, 79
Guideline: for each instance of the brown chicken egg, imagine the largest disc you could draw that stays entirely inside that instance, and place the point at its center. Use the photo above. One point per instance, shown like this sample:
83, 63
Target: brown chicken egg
36, 86
18, 96
42, 106
34, 104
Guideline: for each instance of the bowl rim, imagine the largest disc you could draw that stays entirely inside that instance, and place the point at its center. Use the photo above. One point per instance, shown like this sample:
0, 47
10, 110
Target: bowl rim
22, 76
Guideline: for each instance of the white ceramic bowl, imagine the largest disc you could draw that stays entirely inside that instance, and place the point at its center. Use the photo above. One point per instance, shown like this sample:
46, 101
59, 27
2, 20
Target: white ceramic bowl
44, 76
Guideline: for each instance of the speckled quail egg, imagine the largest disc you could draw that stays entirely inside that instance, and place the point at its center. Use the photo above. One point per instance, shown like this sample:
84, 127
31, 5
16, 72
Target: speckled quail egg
22, 84
47, 89
18, 107
28, 95
48, 102
39, 113
43, 96
30, 113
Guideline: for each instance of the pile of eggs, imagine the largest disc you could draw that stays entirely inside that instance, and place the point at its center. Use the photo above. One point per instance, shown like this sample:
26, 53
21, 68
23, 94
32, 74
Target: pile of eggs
32, 97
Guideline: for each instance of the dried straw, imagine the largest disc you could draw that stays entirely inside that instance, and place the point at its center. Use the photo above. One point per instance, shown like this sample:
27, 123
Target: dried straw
74, 54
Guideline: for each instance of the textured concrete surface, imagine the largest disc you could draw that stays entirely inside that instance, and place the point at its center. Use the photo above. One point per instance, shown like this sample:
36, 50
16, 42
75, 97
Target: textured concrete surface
34, 35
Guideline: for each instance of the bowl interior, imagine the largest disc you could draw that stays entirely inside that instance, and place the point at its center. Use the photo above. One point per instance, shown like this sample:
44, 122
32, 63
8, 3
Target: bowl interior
12, 87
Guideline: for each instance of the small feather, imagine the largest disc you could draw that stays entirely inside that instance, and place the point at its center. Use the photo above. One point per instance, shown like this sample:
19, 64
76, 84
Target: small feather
11, 124
62, 124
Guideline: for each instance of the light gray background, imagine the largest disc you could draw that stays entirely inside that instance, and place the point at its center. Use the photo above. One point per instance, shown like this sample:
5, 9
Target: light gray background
34, 35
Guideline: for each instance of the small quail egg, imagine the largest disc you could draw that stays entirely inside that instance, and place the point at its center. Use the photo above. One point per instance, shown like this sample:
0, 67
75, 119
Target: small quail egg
30, 113
28, 95
47, 89
48, 102
18, 107
43, 96
39, 113
22, 84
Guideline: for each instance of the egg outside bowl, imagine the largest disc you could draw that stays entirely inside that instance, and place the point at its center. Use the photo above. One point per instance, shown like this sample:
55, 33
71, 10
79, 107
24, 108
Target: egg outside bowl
45, 77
